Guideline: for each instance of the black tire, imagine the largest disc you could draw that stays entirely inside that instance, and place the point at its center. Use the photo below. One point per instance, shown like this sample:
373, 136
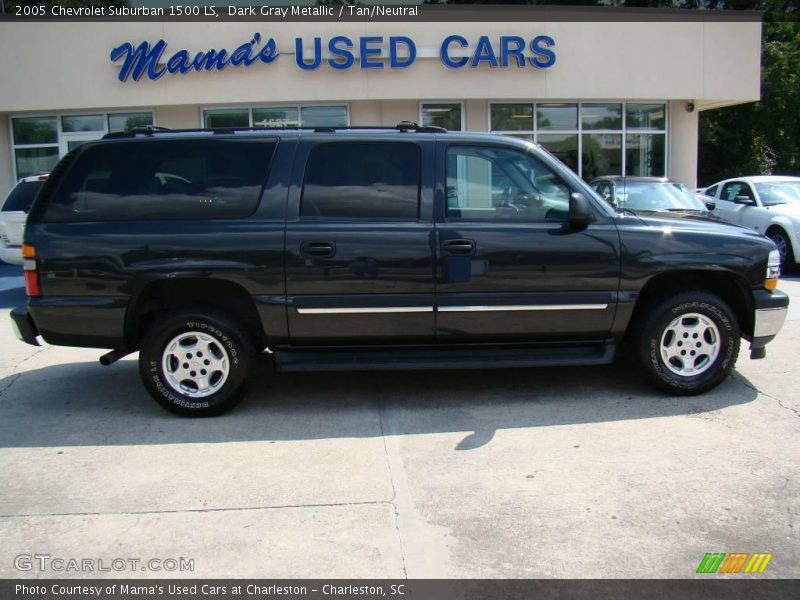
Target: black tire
781, 240
652, 331
221, 337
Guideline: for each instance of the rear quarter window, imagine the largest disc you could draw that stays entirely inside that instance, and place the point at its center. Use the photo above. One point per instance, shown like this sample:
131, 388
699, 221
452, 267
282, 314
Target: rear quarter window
21, 197
164, 179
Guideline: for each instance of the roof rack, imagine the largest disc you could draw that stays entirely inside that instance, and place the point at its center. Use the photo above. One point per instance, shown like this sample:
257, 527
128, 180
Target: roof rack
149, 130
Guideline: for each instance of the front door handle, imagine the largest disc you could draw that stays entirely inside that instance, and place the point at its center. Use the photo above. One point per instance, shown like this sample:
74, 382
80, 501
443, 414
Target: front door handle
459, 247
318, 249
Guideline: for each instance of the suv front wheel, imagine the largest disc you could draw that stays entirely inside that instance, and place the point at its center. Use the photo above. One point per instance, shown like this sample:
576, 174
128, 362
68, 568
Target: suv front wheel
196, 363
689, 343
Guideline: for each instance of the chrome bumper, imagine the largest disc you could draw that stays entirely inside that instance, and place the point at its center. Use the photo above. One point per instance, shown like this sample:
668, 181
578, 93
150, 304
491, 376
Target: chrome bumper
768, 321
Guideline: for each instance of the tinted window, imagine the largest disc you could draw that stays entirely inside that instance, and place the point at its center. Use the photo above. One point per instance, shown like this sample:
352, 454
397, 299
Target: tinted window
164, 179
712, 191
736, 188
21, 197
486, 183
362, 181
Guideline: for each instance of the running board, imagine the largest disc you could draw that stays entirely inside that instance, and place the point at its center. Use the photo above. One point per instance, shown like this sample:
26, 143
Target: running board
476, 357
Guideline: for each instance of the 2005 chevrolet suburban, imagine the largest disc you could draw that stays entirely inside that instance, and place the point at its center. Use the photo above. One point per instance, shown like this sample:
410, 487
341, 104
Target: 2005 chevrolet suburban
363, 248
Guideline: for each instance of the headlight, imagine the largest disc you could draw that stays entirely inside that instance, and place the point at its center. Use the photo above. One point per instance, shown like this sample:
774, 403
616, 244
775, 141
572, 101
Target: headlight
773, 270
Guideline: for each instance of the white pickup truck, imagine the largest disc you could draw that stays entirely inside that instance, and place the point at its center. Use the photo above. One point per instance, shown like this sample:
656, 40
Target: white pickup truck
13, 214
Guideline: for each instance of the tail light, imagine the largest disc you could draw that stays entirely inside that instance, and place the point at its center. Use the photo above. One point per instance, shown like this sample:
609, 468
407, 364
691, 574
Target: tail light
29, 265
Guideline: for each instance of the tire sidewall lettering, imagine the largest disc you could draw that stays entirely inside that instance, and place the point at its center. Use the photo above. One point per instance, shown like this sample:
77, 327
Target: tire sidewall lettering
165, 390
727, 349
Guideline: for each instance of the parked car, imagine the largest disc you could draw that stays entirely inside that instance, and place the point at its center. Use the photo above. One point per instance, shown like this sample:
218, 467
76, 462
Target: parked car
650, 194
393, 248
12, 217
768, 204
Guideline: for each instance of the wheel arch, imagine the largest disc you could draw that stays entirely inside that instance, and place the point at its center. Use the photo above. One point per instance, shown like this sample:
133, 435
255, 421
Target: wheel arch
164, 295
784, 225
730, 287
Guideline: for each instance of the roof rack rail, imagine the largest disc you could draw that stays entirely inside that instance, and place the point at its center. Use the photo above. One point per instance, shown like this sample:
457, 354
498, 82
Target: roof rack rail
149, 130
410, 125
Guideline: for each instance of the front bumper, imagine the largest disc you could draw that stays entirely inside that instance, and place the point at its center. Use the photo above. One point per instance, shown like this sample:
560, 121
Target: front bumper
23, 325
770, 309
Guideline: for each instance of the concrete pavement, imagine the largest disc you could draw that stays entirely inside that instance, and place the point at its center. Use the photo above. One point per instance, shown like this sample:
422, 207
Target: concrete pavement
570, 472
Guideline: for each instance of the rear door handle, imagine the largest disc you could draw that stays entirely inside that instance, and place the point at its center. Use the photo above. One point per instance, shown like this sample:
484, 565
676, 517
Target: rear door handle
459, 247
318, 249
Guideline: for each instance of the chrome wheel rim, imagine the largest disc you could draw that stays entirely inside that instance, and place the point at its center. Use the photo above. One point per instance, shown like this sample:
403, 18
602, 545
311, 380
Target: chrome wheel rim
780, 242
690, 344
195, 364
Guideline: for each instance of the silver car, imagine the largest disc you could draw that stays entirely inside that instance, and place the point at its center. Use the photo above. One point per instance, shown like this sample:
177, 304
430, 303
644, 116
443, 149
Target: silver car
769, 204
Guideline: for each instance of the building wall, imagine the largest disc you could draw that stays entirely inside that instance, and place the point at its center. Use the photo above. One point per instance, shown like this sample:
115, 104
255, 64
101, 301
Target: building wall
709, 63
705, 61
682, 143
177, 117
6, 168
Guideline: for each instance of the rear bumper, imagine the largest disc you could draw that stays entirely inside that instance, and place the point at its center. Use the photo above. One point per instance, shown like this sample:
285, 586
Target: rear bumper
23, 325
769, 315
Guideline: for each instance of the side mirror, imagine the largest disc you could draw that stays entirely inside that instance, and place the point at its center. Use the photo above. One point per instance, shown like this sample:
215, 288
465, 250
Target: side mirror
711, 205
580, 212
743, 200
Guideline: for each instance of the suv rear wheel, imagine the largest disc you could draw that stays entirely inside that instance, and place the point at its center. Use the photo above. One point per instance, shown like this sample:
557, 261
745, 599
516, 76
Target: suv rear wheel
196, 363
689, 343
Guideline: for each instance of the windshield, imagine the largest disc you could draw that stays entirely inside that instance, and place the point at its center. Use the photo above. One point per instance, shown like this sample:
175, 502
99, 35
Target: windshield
655, 197
779, 192
21, 197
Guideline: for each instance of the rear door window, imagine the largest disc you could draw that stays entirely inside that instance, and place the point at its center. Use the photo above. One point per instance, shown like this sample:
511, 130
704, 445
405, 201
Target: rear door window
164, 179
21, 197
362, 180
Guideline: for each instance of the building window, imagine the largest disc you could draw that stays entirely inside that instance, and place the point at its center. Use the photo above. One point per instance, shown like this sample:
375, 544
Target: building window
449, 115
35, 145
557, 117
127, 121
39, 142
592, 138
276, 116
284, 116
645, 139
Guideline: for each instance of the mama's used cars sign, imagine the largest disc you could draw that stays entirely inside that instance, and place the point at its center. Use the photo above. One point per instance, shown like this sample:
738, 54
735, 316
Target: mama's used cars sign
339, 52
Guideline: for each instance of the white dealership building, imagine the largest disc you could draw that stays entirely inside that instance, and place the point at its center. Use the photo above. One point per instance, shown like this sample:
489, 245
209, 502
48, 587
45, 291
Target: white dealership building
606, 97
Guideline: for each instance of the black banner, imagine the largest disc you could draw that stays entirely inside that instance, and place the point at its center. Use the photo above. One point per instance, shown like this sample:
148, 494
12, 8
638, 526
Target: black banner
476, 589
366, 12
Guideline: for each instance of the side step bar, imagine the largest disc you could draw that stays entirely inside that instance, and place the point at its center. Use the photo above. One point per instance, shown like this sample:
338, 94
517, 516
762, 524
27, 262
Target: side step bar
406, 358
